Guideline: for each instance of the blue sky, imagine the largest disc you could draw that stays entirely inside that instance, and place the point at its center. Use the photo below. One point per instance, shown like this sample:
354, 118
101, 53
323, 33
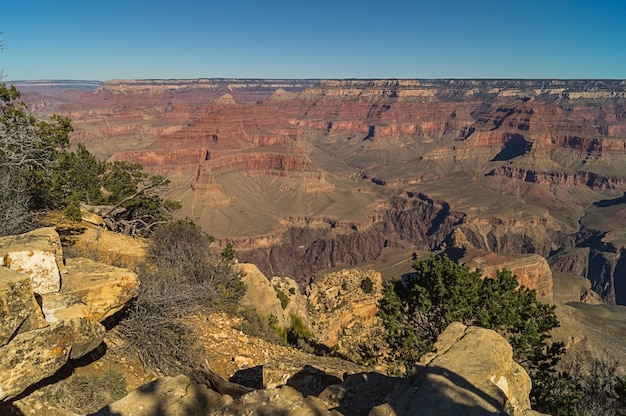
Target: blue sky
132, 39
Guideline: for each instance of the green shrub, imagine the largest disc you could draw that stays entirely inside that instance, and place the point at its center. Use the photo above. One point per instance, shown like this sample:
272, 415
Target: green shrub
368, 354
261, 326
367, 285
298, 334
72, 209
284, 299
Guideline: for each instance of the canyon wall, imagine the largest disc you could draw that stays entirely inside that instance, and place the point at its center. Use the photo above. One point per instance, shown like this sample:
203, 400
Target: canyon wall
303, 175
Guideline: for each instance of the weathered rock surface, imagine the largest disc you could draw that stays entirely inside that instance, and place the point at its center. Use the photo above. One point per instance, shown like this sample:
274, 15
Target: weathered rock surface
340, 308
343, 308
37, 254
297, 303
41, 329
262, 295
19, 310
104, 289
472, 371
32, 356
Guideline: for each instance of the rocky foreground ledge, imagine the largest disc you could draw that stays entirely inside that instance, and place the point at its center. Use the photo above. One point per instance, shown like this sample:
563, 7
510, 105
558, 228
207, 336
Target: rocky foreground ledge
51, 309
471, 372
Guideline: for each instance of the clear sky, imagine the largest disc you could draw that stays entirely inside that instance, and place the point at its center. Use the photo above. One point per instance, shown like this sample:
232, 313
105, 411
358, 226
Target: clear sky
140, 39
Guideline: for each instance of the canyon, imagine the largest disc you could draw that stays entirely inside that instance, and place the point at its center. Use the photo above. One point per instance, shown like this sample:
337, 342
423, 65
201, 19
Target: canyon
303, 176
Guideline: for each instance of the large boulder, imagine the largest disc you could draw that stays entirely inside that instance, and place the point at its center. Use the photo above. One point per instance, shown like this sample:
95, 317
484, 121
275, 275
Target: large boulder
262, 295
34, 355
105, 289
472, 371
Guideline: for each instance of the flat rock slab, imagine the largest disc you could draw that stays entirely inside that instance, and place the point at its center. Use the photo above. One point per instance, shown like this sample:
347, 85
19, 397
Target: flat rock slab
104, 289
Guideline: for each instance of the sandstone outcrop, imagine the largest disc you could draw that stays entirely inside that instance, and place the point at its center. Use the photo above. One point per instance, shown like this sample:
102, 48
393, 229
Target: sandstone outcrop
340, 308
344, 307
264, 295
41, 328
104, 289
37, 254
34, 355
20, 311
532, 270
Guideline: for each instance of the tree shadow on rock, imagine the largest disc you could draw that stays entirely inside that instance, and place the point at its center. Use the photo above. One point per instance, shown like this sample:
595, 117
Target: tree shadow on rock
441, 391
311, 381
434, 391
9, 409
163, 397
250, 377
68, 234
360, 393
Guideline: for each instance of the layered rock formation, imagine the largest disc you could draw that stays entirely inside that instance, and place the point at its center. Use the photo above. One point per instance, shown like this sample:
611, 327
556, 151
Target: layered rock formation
305, 175
51, 314
532, 270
